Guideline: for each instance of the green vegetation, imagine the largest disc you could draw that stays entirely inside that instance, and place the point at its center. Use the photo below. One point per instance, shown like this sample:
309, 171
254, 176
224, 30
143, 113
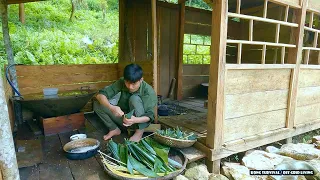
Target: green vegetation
196, 49
48, 37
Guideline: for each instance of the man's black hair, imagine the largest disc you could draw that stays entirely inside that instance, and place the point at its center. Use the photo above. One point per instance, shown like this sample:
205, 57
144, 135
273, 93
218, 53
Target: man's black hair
132, 73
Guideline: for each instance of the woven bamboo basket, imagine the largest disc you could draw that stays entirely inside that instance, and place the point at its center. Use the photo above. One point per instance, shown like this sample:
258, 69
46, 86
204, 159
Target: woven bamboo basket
172, 142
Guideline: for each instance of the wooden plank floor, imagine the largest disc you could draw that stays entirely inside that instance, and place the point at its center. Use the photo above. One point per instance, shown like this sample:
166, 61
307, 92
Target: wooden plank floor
56, 166
196, 104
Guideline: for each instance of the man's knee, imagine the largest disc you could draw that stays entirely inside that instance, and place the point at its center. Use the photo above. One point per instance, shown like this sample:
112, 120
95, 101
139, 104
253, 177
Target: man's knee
135, 100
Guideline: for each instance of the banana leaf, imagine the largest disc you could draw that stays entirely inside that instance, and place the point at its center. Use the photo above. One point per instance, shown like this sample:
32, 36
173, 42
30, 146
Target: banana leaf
113, 147
123, 153
162, 151
157, 165
141, 168
129, 114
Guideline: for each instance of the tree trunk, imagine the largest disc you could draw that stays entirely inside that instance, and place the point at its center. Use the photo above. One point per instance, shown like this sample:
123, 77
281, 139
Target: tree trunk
8, 161
7, 42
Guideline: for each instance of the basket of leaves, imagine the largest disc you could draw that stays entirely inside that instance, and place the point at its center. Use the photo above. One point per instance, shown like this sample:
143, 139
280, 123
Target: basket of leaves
175, 137
146, 160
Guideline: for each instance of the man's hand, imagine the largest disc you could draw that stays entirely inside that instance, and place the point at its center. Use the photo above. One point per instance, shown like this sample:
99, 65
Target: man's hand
129, 122
116, 111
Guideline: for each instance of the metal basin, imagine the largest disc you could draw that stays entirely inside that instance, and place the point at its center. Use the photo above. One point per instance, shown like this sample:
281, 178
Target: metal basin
67, 102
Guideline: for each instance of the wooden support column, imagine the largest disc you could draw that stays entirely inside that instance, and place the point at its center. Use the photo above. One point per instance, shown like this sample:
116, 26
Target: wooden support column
122, 33
8, 161
155, 49
22, 17
180, 38
216, 93
294, 57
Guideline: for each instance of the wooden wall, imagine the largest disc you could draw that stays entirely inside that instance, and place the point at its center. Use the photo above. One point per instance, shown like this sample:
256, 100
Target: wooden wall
255, 101
193, 76
308, 102
168, 20
32, 79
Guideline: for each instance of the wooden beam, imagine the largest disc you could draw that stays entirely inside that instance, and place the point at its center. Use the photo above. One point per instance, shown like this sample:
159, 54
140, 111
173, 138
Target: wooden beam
292, 3
216, 94
155, 50
319, 58
259, 66
180, 39
294, 57
22, 17
122, 33
245, 144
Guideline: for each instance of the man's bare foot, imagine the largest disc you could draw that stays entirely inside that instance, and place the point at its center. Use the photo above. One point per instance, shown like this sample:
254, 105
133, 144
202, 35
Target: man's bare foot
111, 134
137, 135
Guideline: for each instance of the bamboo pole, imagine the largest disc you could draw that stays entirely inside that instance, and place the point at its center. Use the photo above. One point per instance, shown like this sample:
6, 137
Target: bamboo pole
231, 41
315, 41
311, 20
283, 54
251, 30
255, 18
277, 33
286, 13
239, 53
265, 8
238, 6
263, 58
8, 161
306, 56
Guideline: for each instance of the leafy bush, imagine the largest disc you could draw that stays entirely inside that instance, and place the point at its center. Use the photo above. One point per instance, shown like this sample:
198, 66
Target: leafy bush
48, 37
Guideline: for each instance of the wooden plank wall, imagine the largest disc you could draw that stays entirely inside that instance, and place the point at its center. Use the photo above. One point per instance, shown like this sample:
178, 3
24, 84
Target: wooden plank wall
308, 101
32, 79
137, 36
193, 76
255, 96
168, 18
314, 4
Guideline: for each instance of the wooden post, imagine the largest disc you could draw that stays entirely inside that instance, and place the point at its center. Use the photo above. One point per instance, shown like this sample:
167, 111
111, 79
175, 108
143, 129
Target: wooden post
155, 50
22, 17
216, 94
294, 57
122, 33
8, 161
180, 38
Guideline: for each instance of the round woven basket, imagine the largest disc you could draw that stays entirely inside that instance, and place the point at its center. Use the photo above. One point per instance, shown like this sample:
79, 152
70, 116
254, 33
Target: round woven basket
172, 142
